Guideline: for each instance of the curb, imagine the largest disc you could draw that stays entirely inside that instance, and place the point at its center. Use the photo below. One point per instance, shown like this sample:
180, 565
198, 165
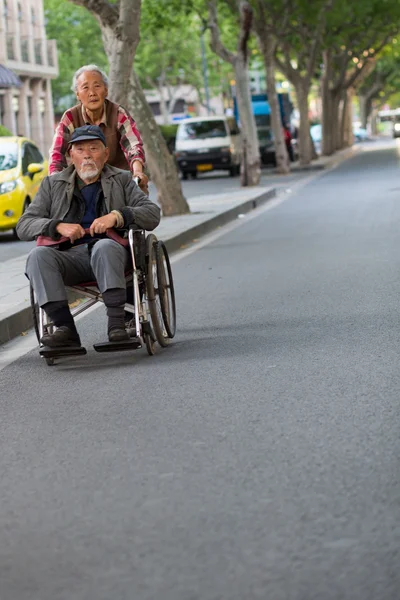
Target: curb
15, 323
18, 322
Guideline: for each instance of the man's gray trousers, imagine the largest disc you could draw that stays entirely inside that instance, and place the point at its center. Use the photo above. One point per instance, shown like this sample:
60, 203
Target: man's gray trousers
49, 269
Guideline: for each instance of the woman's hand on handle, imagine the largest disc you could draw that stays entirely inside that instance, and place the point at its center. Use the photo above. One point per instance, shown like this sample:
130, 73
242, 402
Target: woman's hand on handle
143, 181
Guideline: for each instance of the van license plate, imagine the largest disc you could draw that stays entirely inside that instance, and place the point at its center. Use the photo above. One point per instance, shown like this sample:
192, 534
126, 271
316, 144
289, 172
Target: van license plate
204, 167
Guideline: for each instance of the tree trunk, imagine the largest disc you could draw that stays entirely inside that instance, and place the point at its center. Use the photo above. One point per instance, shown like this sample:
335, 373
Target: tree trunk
374, 121
369, 109
120, 41
330, 108
305, 149
281, 153
330, 122
363, 103
344, 138
343, 118
250, 167
163, 103
119, 25
327, 115
348, 136
160, 162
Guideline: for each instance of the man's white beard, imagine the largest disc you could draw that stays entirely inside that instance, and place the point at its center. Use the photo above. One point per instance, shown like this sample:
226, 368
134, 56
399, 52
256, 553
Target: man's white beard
88, 172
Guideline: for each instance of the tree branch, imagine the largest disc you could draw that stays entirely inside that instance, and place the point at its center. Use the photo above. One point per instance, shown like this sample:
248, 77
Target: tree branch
246, 20
286, 68
315, 46
375, 91
107, 13
152, 83
216, 43
357, 72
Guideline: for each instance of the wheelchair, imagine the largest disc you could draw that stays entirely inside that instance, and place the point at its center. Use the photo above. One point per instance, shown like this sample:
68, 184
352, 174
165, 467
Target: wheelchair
150, 311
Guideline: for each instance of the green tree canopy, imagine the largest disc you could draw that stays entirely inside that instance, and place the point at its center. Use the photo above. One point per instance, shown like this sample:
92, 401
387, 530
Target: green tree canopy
169, 52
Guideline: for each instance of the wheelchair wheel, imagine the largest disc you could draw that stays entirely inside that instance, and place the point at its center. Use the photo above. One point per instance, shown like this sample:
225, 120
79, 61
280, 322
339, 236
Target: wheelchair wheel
166, 289
35, 313
150, 347
35, 317
153, 296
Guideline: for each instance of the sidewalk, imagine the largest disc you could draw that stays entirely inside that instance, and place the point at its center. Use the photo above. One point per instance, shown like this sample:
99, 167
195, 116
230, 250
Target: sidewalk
208, 212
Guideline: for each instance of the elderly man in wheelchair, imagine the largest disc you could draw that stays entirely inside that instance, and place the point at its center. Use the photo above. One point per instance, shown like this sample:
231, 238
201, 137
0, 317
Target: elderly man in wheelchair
80, 218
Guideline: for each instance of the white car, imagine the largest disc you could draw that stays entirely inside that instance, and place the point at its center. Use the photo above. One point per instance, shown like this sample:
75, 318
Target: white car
360, 134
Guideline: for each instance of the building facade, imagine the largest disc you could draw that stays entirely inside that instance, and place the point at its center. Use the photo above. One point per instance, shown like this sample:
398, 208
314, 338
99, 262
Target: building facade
28, 62
173, 103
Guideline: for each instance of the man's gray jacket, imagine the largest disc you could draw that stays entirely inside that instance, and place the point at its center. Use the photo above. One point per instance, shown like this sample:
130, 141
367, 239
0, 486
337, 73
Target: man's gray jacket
55, 202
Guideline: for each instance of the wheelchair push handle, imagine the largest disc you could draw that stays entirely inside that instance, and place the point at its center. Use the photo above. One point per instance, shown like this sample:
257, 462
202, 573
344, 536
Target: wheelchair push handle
110, 233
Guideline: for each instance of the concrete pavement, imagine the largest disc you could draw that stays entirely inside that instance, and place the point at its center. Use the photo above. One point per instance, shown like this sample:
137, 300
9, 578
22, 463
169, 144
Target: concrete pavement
208, 211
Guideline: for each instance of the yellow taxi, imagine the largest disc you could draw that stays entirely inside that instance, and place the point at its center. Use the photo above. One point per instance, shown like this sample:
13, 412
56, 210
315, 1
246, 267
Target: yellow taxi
22, 168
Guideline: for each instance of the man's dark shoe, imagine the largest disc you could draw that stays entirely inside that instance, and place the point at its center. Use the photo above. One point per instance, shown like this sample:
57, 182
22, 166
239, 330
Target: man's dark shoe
63, 337
118, 334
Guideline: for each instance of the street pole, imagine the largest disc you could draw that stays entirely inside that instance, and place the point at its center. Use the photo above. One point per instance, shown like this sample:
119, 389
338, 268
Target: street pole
205, 73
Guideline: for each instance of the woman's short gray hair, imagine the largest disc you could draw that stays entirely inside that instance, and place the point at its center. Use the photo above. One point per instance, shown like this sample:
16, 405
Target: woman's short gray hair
85, 69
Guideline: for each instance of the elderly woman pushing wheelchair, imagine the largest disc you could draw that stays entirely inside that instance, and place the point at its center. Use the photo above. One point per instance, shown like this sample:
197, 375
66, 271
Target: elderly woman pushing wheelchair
124, 142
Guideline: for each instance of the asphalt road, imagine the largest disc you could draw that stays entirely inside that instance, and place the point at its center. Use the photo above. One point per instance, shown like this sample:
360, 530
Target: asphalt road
258, 456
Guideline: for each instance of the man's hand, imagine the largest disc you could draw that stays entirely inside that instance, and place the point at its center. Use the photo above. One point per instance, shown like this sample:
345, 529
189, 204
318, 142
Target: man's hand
143, 182
101, 224
70, 230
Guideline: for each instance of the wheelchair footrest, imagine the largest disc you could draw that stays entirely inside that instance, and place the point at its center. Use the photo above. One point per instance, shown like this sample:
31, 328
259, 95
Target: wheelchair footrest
47, 352
132, 344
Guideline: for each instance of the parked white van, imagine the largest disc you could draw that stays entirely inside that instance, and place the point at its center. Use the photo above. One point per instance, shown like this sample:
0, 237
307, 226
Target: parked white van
207, 143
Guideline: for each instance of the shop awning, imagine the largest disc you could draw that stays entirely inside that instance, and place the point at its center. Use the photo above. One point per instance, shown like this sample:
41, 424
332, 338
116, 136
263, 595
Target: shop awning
8, 78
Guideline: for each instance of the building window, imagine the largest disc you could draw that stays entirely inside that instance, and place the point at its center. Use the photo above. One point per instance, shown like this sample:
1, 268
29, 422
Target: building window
50, 55
24, 50
19, 11
10, 47
38, 52
179, 106
33, 16
155, 108
30, 106
5, 9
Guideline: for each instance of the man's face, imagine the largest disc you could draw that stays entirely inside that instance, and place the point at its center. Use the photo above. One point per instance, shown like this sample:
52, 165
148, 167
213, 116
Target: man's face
89, 158
91, 90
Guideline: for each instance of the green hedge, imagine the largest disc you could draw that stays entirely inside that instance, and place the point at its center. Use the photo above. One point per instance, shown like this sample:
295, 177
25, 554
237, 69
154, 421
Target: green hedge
4, 131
